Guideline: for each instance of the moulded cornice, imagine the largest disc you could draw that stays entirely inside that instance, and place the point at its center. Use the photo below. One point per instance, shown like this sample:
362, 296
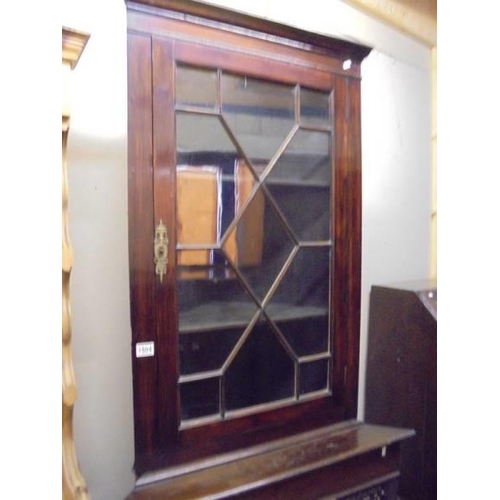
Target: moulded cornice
201, 12
73, 43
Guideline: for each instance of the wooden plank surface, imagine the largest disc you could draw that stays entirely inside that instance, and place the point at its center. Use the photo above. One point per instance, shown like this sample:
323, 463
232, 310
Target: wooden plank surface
268, 464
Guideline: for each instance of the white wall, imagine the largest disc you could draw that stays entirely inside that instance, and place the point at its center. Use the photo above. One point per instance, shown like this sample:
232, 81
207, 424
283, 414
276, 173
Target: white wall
396, 148
97, 179
396, 128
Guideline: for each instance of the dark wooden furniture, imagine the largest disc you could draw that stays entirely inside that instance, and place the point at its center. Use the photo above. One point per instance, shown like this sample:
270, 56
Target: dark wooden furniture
344, 461
401, 387
245, 248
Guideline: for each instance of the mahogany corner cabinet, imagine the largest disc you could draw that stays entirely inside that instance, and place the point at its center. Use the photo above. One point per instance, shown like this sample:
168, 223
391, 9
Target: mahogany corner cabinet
245, 253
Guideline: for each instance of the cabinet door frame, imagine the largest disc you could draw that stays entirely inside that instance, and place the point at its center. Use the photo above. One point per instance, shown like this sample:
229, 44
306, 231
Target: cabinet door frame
155, 44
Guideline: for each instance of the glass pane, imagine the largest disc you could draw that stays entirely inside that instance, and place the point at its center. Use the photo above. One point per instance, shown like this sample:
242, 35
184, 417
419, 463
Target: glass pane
201, 134
200, 398
196, 87
313, 376
238, 185
214, 311
261, 372
234, 241
211, 297
206, 350
314, 107
212, 181
260, 114
300, 183
299, 306
258, 245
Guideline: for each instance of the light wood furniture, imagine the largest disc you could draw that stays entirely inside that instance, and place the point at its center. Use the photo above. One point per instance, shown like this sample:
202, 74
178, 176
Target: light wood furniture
434, 165
73, 483
245, 336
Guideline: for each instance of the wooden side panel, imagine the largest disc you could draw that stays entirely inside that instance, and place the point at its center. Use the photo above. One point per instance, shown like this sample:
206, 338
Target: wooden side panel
141, 237
164, 209
347, 214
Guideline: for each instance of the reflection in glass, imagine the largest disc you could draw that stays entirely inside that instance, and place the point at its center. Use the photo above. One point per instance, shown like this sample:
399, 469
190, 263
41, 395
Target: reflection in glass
200, 398
197, 209
259, 245
313, 376
197, 352
254, 241
211, 298
197, 133
196, 87
260, 114
299, 306
261, 372
211, 182
300, 183
209, 198
314, 107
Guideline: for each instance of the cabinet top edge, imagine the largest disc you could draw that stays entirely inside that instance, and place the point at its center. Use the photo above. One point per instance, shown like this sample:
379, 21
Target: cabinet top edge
410, 286
210, 14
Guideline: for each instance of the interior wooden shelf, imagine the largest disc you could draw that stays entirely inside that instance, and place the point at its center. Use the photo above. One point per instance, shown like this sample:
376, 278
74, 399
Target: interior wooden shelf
221, 315
287, 182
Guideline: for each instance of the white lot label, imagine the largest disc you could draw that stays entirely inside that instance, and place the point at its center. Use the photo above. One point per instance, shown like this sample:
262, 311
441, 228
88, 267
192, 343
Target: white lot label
144, 349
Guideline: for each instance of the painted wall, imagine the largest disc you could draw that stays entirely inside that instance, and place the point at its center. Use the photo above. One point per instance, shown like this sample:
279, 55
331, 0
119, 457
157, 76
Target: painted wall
396, 128
97, 181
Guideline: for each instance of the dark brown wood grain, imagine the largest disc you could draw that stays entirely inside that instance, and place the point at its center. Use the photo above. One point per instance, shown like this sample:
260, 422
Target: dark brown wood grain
164, 209
310, 465
141, 233
226, 19
347, 230
239, 433
353, 474
354, 263
234, 43
158, 40
401, 379
255, 65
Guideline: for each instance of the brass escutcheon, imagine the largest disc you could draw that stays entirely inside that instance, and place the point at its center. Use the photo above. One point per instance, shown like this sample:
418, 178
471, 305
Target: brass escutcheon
161, 250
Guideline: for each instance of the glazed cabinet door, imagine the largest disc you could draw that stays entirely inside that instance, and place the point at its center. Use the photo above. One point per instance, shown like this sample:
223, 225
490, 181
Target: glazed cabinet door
240, 274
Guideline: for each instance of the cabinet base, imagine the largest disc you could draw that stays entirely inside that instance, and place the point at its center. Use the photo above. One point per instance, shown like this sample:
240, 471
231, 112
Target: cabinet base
341, 461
